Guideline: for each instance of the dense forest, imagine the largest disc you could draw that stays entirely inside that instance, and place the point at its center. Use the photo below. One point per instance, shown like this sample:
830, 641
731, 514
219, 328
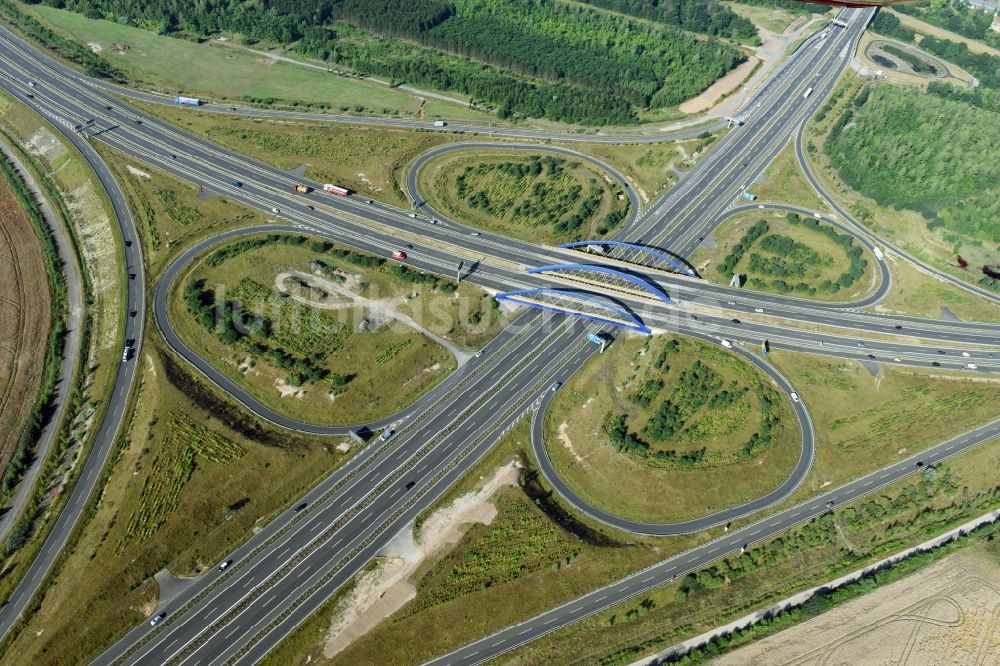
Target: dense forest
559, 60
924, 152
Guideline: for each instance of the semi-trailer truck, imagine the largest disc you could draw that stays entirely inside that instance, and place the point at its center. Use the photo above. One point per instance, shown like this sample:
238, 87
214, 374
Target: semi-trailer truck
336, 189
189, 101
304, 189
398, 254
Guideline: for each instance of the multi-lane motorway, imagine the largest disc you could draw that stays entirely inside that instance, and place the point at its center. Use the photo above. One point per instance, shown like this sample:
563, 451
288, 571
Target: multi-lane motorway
284, 572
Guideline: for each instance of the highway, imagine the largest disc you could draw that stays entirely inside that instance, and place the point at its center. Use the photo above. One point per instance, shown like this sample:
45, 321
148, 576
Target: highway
298, 560
93, 466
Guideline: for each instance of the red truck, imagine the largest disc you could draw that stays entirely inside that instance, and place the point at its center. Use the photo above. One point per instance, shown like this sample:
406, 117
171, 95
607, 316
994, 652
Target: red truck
336, 189
398, 254
304, 189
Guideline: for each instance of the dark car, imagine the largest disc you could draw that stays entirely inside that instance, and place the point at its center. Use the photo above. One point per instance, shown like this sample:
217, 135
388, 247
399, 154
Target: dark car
131, 276
898, 327
935, 364
871, 357
737, 321
940, 351
410, 484
300, 507
132, 313
128, 243
920, 463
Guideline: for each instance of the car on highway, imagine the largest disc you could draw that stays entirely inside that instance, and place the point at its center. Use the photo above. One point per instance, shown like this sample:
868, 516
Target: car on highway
727, 344
475, 233
758, 310
737, 321
131, 276
126, 354
794, 396
992, 355
920, 463
730, 302
935, 364
871, 357
300, 507
965, 354
971, 366
157, 619
555, 387
413, 216
398, 254
433, 220
861, 344
410, 484
133, 313
896, 359
479, 353
172, 156
128, 243
31, 83
940, 351
224, 565
369, 202
898, 327
237, 183
386, 435
829, 504
408, 247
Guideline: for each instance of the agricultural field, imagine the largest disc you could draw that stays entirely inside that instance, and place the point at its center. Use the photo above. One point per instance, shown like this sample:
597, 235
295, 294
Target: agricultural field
195, 476
169, 213
25, 319
788, 254
224, 72
369, 161
667, 428
941, 614
864, 422
544, 198
313, 329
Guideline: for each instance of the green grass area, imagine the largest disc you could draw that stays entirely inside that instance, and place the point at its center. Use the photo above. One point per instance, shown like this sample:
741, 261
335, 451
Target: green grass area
864, 422
369, 161
902, 514
544, 198
784, 254
784, 182
307, 327
914, 292
775, 19
650, 168
934, 244
222, 73
659, 429
195, 475
171, 214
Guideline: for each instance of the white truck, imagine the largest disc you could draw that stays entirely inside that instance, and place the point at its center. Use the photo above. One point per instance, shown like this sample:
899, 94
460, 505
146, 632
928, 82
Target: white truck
878, 253
440, 123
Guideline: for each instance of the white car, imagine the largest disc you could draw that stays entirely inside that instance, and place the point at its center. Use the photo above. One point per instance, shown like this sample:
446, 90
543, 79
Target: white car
817, 215
972, 366
275, 210
413, 216
758, 310
896, 359
794, 396
156, 619
965, 354
727, 344
223, 565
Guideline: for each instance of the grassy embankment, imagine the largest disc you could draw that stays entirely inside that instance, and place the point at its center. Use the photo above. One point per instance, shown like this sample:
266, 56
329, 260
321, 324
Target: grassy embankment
543, 198
661, 429
310, 335
788, 254
80, 201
